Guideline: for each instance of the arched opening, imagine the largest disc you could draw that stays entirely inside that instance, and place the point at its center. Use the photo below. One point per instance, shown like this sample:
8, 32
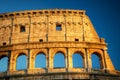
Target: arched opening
3, 63
77, 60
59, 60
40, 61
21, 63
96, 61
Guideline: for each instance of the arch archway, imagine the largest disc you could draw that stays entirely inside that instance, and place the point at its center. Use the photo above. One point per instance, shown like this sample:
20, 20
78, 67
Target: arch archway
96, 61
40, 60
59, 60
78, 61
3, 63
21, 62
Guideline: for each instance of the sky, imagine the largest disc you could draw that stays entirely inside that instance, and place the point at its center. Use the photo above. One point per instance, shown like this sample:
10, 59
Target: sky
104, 14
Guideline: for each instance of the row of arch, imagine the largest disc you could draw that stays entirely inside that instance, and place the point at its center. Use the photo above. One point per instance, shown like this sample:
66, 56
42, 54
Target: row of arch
58, 61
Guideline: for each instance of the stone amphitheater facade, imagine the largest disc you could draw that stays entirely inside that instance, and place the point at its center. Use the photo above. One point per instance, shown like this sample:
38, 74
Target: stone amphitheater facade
51, 31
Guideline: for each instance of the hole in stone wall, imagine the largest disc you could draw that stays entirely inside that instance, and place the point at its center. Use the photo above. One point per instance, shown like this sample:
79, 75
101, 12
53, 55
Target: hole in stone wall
40, 40
1, 16
4, 43
76, 39
41, 12
58, 27
22, 28
11, 15
17, 14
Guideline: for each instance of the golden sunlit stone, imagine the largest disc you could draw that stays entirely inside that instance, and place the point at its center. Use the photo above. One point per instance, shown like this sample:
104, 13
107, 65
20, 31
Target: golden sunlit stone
52, 31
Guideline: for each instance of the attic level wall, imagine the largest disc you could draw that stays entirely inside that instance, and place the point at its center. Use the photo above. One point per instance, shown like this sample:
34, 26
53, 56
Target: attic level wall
90, 34
42, 28
5, 30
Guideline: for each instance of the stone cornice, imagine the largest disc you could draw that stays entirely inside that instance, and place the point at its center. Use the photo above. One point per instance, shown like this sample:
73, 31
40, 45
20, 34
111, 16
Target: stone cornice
36, 45
41, 12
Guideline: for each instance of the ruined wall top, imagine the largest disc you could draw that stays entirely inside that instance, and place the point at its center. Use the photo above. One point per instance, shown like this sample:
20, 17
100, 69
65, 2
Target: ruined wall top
46, 26
41, 12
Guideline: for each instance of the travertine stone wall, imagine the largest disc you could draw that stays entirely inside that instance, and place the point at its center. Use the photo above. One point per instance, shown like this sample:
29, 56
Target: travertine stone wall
32, 32
41, 24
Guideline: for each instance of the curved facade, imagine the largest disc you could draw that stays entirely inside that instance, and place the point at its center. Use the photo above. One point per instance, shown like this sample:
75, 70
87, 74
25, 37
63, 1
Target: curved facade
49, 32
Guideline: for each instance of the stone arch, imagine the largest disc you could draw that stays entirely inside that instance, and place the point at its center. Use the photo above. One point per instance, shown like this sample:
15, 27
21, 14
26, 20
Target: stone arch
39, 52
80, 56
14, 56
76, 50
4, 54
4, 65
19, 56
43, 60
100, 60
60, 52
55, 50
79, 52
59, 57
99, 53
33, 53
18, 53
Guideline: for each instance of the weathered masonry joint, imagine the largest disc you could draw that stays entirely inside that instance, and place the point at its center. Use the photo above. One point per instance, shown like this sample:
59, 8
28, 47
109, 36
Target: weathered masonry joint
49, 32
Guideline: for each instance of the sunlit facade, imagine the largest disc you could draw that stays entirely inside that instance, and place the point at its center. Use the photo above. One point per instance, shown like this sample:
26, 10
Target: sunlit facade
52, 45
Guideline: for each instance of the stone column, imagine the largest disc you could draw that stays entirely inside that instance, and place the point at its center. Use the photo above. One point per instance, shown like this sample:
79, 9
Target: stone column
86, 60
50, 60
47, 60
89, 60
9, 57
28, 59
12, 62
66, 58
105, 66
31, 60
70, 63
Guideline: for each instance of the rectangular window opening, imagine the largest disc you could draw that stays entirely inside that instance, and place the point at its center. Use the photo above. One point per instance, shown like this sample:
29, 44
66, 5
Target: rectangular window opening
76, 39
58, 27
40, 40
4, 43
22, 28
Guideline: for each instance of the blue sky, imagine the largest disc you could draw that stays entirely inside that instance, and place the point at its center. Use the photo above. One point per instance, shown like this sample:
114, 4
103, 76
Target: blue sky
104, 14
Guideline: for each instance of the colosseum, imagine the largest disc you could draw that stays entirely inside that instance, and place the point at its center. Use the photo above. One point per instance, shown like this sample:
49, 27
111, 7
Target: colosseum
50, 32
